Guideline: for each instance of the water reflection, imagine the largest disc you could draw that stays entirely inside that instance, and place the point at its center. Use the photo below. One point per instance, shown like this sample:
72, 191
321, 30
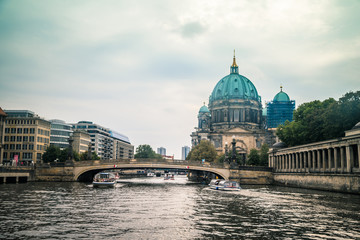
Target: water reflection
151, 208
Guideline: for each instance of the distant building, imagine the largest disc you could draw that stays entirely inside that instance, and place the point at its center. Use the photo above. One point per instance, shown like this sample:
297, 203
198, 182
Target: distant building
81, 141
60, 133
185, 152
26, 138
2, 133
161, 151
107, 143
280, 109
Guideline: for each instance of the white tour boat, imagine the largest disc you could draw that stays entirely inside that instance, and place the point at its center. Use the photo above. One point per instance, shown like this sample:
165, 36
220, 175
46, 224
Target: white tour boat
224, 185
104, 179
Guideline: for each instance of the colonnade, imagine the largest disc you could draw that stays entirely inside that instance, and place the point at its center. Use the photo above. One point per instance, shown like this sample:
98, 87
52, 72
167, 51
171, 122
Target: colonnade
336, 156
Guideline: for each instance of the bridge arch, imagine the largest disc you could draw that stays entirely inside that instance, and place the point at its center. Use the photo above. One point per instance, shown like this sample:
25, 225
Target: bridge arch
85, 171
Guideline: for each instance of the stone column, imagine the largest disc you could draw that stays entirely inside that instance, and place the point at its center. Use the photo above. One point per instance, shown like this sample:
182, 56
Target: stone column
293, 162
319, 160
313, 160
329, 159
301, 162
358, 148
342, 159
323, 167
309, 160
336, 159
305, 161
349, 159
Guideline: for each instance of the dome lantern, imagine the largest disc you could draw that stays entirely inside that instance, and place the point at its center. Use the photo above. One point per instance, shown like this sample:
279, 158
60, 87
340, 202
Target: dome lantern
234, 68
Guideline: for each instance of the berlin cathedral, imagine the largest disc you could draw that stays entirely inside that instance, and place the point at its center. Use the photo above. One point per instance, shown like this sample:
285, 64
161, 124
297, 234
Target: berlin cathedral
235, 113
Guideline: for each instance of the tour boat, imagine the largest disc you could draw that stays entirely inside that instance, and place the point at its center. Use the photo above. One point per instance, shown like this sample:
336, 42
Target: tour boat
104, 179
220, 184
169, 176
150, 174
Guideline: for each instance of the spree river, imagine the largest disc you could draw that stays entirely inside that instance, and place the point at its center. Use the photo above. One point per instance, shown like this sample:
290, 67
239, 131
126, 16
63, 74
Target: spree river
153, 208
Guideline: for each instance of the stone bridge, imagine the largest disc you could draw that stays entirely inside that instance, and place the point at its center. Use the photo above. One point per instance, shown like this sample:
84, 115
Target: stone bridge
84, 169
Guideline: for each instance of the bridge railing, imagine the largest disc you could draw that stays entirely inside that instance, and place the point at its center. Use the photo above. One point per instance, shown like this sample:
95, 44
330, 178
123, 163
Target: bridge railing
147, 161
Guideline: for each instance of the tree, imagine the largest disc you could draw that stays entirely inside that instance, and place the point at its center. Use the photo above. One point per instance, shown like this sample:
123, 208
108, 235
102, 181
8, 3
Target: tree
264, 156
204, 150
321, 120
84, 156
51, 154
254, 157
145, 151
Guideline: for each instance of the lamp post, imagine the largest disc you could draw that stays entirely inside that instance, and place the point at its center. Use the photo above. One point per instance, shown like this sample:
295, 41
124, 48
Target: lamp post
233, 156
70, 153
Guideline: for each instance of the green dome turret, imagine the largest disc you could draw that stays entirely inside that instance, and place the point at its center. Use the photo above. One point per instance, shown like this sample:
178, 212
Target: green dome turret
281, 96
204, 109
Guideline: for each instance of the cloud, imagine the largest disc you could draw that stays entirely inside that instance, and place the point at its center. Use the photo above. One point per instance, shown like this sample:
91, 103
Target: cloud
144, 68
192, 29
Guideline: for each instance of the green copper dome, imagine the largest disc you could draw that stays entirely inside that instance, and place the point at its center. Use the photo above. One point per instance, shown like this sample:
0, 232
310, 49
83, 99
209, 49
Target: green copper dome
204, 109
281, 97
234, 86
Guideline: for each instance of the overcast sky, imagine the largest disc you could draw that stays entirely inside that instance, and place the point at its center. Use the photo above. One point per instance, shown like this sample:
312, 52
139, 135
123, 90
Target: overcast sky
144, 68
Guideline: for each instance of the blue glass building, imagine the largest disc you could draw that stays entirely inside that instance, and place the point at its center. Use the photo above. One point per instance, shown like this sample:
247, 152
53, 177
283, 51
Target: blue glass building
279, 110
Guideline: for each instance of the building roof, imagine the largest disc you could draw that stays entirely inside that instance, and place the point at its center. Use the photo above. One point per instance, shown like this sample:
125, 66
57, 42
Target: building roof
281, 96
204, 109
234, 86
2, 113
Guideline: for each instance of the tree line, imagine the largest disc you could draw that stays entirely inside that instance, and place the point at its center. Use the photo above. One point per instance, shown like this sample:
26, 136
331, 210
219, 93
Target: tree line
54, 153
321, 120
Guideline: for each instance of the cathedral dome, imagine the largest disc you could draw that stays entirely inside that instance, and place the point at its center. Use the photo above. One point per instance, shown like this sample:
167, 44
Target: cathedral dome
281, 97
234, 86
204, 109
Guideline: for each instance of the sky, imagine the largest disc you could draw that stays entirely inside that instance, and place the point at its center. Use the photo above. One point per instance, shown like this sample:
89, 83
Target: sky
144, 68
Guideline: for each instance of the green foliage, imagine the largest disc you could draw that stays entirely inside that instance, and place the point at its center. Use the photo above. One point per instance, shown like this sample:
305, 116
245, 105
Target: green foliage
254, 157
317, 121
145, 151
258, 157
264, 156
84, 156
51, 154
204, 150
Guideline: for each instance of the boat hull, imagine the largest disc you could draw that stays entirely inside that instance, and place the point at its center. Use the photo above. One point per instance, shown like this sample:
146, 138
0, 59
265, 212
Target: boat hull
104, 184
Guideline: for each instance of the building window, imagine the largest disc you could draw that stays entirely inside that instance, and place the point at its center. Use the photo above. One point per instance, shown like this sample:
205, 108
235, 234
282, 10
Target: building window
38, 156
12, 146
7, 130
18, 138
26, 130
6, 138
13, 130
25, 138
6, 146
32, 130
5, 155
12, 138
18, 146
31, 139
31, 146
19, 130
25, 147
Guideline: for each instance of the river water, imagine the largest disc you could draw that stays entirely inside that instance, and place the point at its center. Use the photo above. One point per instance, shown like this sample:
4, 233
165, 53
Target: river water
153, 208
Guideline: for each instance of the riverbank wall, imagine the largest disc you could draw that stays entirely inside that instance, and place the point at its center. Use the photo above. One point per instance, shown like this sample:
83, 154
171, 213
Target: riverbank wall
61, 172
347, 183
248, 175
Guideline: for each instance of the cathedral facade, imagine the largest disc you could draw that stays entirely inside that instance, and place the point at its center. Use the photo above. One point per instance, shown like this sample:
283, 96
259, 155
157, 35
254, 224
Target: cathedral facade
234, 113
